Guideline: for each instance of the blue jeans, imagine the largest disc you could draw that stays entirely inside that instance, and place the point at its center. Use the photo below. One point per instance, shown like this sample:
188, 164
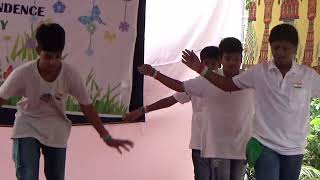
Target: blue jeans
202, 166
26, 156
274, 166
217, 169
228, 169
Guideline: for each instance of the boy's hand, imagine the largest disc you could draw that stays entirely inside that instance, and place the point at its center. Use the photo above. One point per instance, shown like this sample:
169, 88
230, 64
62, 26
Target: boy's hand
133, 115
146, 70
117, 143
190, 59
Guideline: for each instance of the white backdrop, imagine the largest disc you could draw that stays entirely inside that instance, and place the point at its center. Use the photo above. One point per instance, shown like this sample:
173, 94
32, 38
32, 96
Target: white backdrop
173, 25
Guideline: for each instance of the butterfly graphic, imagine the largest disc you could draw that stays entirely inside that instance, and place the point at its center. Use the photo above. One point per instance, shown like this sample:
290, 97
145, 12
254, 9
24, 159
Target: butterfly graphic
7, 72
95, 16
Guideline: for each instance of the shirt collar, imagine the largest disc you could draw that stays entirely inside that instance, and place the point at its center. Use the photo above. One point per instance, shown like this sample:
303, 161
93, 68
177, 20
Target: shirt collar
293, 69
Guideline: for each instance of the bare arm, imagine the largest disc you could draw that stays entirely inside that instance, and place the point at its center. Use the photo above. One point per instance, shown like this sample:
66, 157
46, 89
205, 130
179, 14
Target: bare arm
173, 84
94, 119
192, 61
161, 104
221, 82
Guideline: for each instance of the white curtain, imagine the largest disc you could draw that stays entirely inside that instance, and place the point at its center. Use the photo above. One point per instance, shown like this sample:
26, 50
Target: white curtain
173, 25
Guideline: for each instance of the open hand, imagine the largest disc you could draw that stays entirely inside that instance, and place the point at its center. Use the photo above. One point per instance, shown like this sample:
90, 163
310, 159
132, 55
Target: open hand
117, 143
146, 70
190, 59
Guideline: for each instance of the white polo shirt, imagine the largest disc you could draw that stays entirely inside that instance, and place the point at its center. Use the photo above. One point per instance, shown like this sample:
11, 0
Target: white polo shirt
282, 104
225, 117
195, 140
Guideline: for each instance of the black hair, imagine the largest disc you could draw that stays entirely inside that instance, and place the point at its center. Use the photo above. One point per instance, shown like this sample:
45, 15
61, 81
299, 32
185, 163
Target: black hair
230, 45
209, 52
50, 37
284, 32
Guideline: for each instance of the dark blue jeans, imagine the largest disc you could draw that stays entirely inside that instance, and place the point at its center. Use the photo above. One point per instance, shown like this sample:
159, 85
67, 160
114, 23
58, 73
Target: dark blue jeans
26, 156
274, 166
217, 169
202, 166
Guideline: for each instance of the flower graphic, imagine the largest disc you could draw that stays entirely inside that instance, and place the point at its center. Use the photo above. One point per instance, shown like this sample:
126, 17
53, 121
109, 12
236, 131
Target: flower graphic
124, 26
91, 28
7, 72
59, 7
89, 51
109, 36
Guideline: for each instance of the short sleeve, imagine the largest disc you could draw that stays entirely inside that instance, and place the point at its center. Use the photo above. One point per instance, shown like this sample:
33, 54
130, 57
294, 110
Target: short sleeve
194, 87
13, 85
182, 97
315, 84
247, 78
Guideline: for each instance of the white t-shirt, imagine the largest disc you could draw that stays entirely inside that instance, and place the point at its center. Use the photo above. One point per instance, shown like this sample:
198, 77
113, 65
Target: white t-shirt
282, 104
38, 115
226, 119
195, 141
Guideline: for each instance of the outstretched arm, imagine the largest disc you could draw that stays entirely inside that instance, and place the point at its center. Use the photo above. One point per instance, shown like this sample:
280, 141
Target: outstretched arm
192, 61
94, 119
173, 84
161, 104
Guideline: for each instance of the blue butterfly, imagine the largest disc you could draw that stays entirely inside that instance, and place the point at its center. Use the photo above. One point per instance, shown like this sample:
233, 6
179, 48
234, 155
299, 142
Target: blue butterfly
95, 16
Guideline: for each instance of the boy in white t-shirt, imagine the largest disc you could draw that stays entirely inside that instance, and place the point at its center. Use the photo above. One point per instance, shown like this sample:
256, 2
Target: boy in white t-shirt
226, 122
41, 123
283, 90
202, 166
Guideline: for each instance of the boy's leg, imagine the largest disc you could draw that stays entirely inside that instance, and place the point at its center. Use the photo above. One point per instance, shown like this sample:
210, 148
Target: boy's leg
290, 167
54, 162
267, 166
26, 155
202, 167
220, 169
238, 169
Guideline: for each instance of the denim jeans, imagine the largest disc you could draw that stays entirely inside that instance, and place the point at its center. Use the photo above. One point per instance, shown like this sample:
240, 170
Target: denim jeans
228, 169
26, 156
202, 166
217, 169
274, 166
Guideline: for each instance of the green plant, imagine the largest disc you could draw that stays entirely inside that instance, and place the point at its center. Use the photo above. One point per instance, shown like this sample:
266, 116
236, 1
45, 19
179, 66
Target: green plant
25, 46
105, 103
309, 173
312, 153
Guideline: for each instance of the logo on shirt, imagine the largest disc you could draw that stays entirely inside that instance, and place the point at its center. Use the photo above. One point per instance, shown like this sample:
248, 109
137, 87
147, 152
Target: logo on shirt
297, 85
47, 97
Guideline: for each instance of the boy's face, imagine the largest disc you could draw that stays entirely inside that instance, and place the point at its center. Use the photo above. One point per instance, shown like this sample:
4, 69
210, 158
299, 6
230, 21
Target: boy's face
283, 52
212, 63
231, 63
49, 61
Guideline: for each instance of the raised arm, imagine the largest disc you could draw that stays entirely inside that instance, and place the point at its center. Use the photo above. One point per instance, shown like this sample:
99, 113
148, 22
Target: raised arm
173, 84
161, 104
190, 59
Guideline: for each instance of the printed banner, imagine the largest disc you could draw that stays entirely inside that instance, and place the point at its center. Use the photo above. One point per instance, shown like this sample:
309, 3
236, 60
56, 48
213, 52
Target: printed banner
100, 44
